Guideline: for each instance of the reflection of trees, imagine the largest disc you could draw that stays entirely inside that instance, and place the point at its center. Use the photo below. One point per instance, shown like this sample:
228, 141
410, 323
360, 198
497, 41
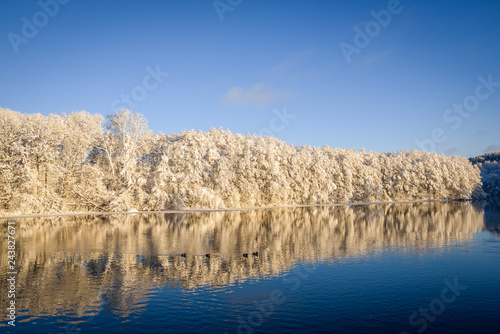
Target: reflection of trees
84, 263
491, 215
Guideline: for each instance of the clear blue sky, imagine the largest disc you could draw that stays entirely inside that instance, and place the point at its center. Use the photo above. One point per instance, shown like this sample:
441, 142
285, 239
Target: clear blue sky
234, 66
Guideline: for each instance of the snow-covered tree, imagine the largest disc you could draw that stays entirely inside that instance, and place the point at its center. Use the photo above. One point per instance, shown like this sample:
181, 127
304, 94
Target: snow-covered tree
489, 164
490, 174
77, 162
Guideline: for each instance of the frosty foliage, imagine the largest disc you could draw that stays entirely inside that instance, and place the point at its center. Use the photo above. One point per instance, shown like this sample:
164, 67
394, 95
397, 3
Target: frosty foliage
490, 173
489, 164
488, 157
79, 162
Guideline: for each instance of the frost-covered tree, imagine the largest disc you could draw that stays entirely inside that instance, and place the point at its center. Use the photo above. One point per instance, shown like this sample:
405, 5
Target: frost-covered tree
123, 144
490, 172
14, 171
81, 132
78, 162
488, 157
489, 164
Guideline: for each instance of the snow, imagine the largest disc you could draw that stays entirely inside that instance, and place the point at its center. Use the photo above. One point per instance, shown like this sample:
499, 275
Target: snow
71, 163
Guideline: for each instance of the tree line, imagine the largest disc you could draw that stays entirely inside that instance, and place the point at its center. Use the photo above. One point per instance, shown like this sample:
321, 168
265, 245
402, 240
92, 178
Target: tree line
489, 164
87, 162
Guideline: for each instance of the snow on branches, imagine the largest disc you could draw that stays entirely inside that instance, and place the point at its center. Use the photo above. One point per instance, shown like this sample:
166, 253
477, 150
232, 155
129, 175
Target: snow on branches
78, 162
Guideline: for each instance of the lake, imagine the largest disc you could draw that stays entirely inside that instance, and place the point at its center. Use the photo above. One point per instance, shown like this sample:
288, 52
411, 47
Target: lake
385, 268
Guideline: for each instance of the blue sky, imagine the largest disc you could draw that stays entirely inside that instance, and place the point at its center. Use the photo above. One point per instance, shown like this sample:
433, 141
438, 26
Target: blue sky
238, 64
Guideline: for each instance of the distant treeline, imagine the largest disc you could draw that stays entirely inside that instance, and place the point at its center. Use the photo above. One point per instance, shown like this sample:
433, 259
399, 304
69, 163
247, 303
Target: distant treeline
488, 157
489, 164
85, 162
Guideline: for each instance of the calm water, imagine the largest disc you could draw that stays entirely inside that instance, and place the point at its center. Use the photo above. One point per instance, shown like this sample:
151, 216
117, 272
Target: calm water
414, 268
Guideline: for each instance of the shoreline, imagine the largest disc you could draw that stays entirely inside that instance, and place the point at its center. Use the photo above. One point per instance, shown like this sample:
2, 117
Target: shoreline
108, 213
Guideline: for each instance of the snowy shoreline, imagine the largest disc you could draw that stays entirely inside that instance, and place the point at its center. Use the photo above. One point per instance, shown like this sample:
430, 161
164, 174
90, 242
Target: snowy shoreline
210, 210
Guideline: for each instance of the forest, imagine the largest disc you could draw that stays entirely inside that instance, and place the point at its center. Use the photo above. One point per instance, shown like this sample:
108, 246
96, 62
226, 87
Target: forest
87, 162
489, 164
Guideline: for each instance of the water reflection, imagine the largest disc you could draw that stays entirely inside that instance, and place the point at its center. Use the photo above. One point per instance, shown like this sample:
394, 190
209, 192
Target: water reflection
491, 216
80, 265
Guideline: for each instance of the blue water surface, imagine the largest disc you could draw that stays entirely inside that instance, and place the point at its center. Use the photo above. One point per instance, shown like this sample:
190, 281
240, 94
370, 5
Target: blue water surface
392, 268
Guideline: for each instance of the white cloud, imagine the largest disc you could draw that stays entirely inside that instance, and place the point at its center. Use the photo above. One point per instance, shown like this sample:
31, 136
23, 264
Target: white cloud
291, 61
259, 95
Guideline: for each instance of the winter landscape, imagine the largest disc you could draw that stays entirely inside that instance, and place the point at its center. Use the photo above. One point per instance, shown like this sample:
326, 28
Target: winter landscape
232, 166
81, 162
